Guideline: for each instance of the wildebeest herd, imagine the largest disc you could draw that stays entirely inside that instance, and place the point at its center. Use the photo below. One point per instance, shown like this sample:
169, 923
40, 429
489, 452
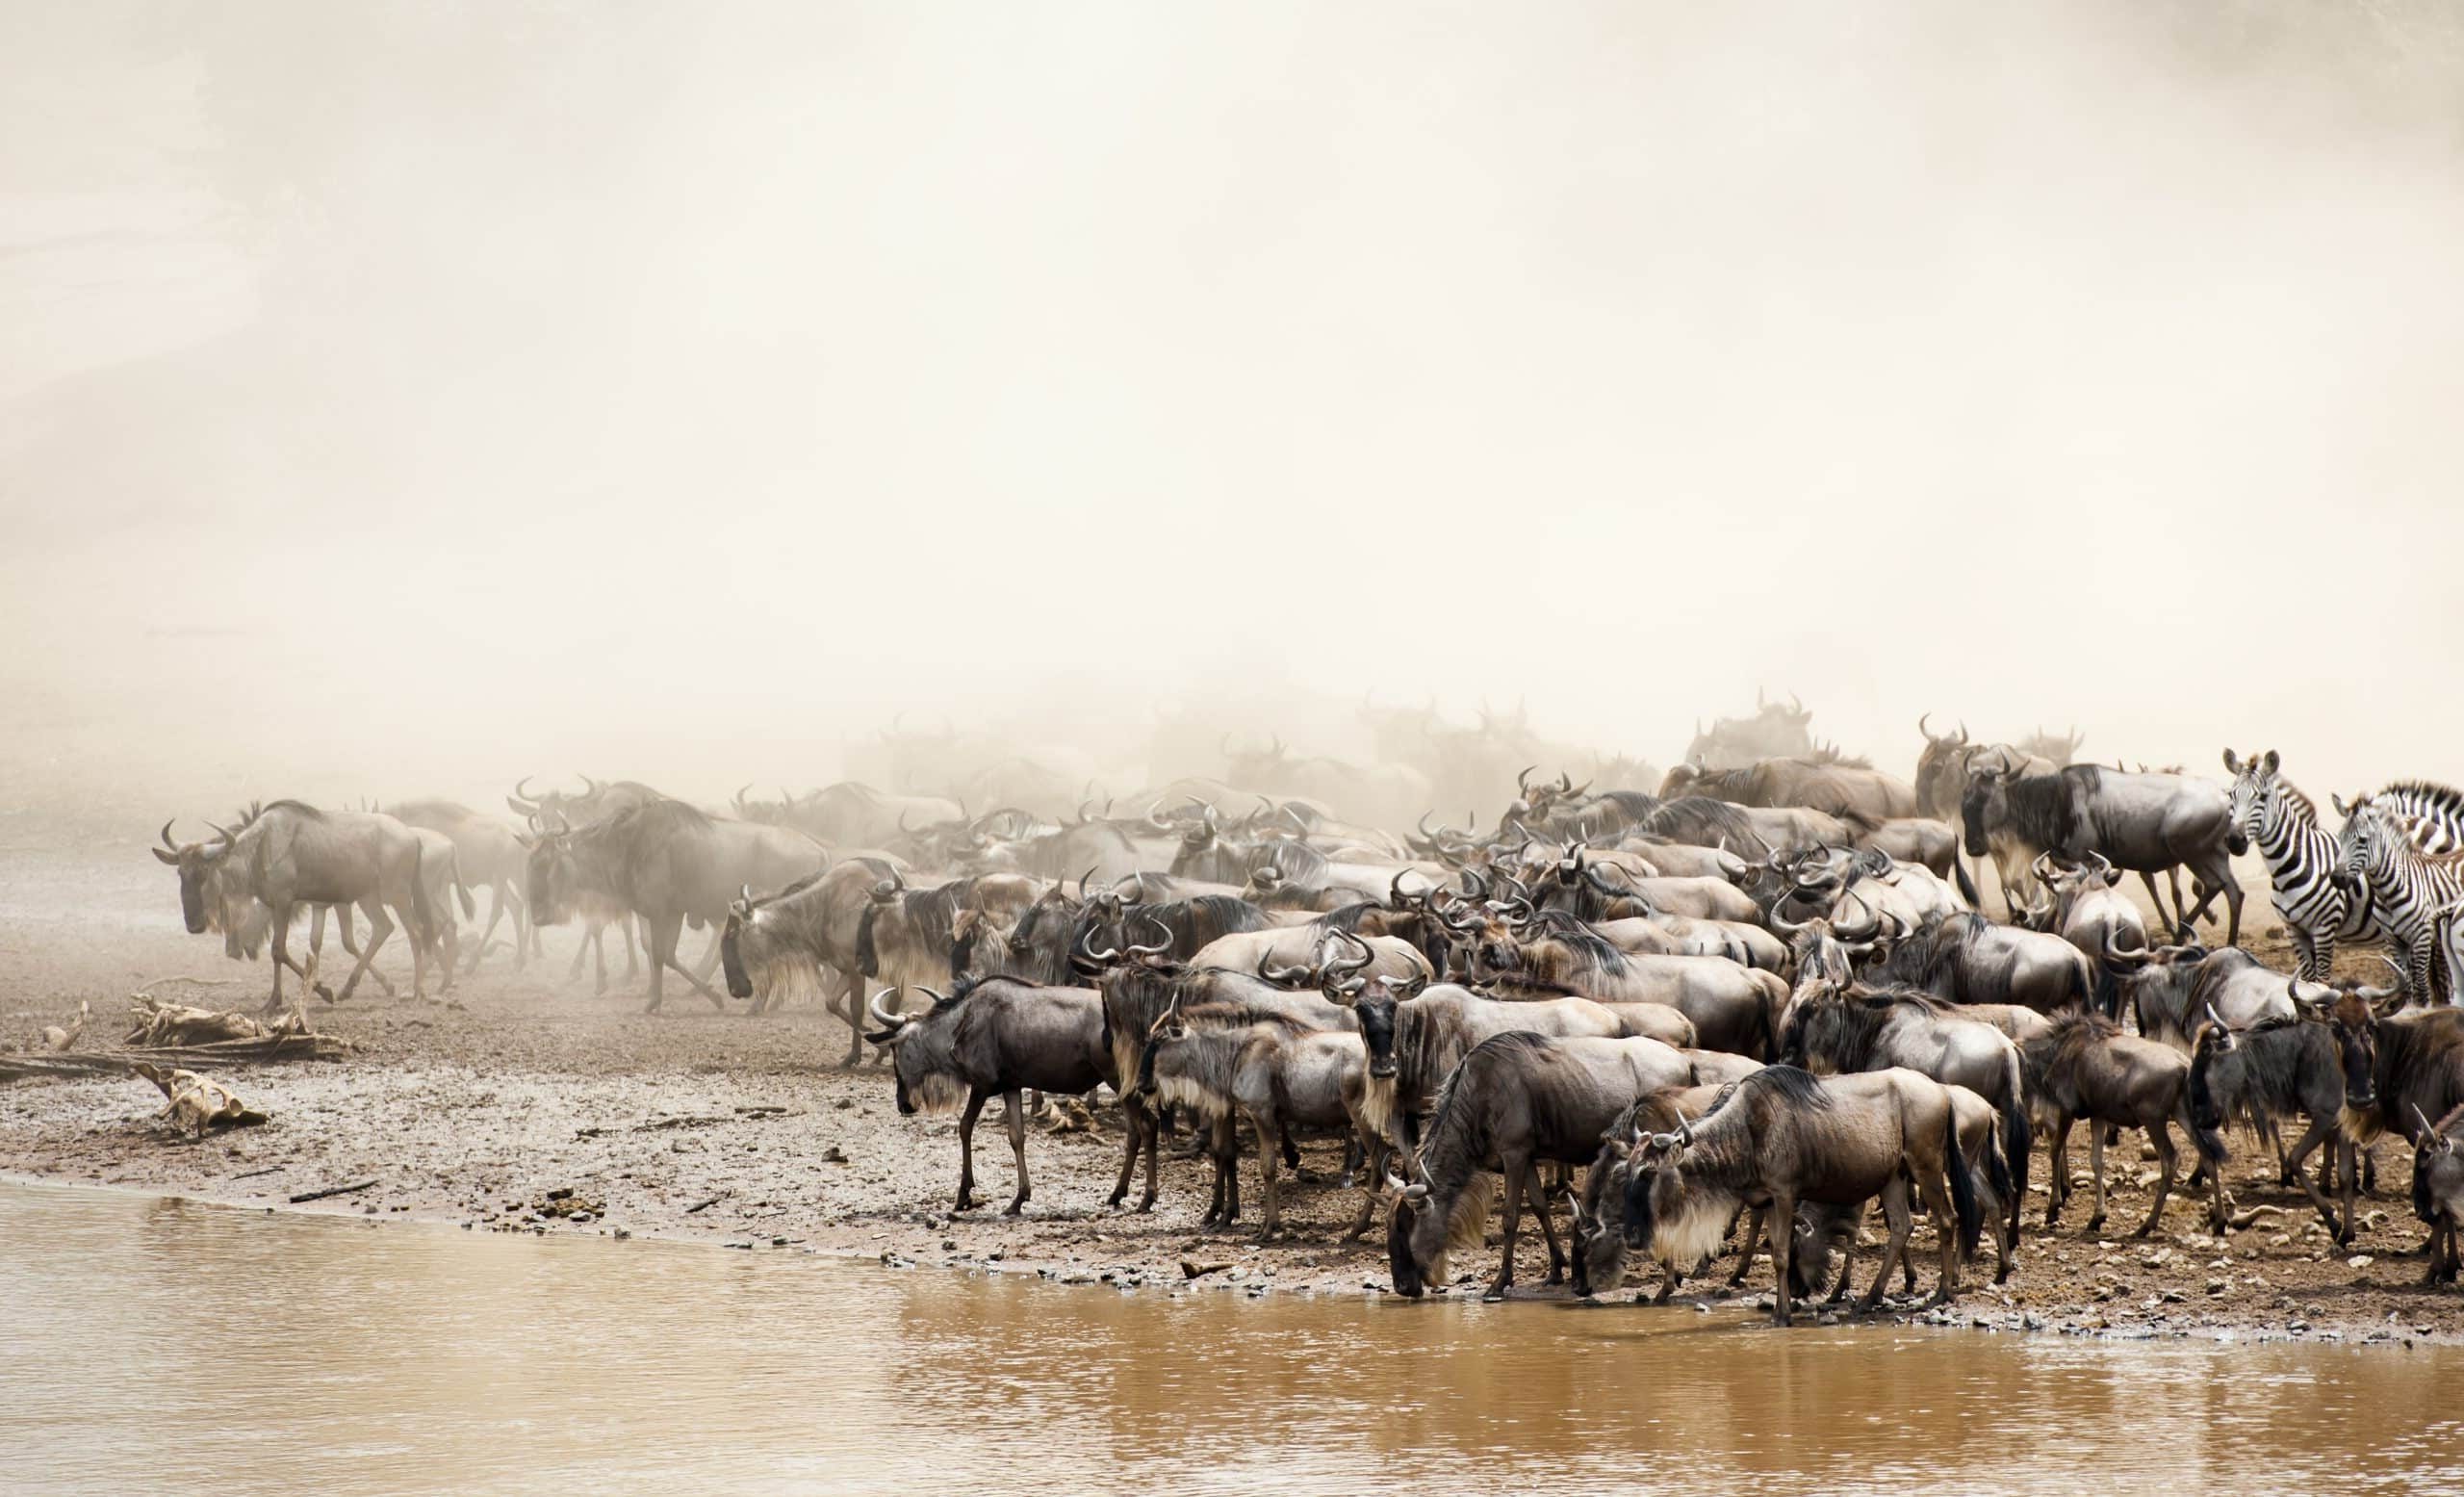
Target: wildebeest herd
1747, 999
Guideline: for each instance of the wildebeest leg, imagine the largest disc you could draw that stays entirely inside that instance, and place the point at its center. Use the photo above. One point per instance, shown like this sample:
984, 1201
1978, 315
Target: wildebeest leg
281, 932
1516, 1168
1375, 1156
1351, 1162
378, 928
976, 1097
2320, 1128
1752, 1240
1548, 1229
2096, 1168
1133, 1113
1898, 1221
1934, 1187
851, 999
1269, 1128
1016, 1120
2343, 1151
2059, 1192
1290, 1149
636, 930
2166, 1159
1782, 1216
496, 912
710, 962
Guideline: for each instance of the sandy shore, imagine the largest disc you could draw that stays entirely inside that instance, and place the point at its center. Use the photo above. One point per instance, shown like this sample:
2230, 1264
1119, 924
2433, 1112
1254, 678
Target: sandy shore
534, 1106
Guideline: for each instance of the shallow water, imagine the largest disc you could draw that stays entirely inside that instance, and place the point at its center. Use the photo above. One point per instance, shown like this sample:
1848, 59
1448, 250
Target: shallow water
159, 1345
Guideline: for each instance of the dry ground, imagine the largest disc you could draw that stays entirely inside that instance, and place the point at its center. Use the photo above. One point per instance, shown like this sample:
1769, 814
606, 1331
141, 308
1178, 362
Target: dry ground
727, 1129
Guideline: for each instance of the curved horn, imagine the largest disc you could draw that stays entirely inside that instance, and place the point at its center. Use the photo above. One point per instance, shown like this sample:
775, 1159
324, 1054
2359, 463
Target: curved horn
1523, 780
522, 787
1082, 882
739, 795
1780, 922
1281, 977
882, 1017
1922, 728
1367, 954
1396, 898
1086, 948
167, 836
1154, 950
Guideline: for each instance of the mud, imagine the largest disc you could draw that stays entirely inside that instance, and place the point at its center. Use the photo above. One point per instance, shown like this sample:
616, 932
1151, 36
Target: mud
528, 1104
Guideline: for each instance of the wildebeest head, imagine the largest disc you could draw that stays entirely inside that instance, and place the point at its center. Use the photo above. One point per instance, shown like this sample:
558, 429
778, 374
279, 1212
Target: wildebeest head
548, 872
1983, 803
2352, 1015
201, 864
1418, 1235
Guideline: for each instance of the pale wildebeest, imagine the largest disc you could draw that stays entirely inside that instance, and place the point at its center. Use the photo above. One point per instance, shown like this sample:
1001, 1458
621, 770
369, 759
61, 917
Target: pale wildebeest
439, 870
2085, 1068
1517, 1100
595, 803
2148, 823
2179, 988
290, 854
489, 855
1875, 1028
779, 945
1731, 1007
668, 862
1825, 1231
2276, 1069
1787, 1138
1840, 787
1137, 988
2438, 1188
2090, 912
1773, 732
1270, 1073
996, 1039
850, 814
1300, 955
1967, 959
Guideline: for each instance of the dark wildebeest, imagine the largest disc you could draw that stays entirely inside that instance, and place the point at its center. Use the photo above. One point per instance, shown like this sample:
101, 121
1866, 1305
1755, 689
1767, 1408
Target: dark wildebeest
2438, 1188
998, 1038
2086, 1068
2179, 988
1875, 1028
290, 854
668, 862
1785, 1138
2276, 1069
1598, 1241
1516, 1101
2398, 1067
912, 938
1967, 959
489, 855
2148, 823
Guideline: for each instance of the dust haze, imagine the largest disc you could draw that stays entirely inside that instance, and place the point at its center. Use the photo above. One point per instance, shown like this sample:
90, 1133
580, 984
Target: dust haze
399, 398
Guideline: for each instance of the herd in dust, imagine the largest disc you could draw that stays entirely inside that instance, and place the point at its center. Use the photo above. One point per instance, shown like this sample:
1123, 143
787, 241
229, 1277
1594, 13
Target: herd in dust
1762, 989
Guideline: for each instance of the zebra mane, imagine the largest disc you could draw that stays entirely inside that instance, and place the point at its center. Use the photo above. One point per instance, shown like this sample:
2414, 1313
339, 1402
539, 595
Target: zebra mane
2443, 803
2298, 803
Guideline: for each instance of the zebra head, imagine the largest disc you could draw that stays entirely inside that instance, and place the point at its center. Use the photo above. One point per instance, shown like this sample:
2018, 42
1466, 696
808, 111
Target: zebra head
2255, 802
2362, 839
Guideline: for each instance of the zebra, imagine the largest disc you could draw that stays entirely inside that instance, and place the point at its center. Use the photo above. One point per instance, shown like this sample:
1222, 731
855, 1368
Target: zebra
2304, 865
2429, 814
2409, 887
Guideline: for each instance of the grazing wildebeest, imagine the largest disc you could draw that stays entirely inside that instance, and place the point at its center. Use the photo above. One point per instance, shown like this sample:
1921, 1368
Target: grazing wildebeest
489, 855
1000, 1037
1967, 959
1596, 1243
1517, 1100
2438, 1188
1786, 1137
2086, 1068
1875, 1028
289, 854
668, 862
2148, 823
1270, 1071
2276, 1070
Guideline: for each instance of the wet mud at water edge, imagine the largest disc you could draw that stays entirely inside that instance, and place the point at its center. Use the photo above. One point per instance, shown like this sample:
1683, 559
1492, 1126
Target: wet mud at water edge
535, 1107
164, 1344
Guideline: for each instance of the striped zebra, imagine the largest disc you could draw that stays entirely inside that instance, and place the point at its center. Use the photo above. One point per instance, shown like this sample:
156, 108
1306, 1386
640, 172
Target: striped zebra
2305, 864
2429, 814
2409, 887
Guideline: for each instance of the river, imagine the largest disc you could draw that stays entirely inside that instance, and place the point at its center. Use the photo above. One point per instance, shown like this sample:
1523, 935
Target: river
161, 1345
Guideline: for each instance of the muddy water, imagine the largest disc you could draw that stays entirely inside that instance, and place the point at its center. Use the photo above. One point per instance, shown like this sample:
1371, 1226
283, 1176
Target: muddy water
158, 1345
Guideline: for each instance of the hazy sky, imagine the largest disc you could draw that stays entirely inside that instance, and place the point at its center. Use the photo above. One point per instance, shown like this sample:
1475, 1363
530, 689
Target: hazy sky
472, 388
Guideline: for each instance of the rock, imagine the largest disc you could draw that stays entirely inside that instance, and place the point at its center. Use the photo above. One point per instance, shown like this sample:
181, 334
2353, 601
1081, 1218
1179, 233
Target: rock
1191, 1268
2358, 1260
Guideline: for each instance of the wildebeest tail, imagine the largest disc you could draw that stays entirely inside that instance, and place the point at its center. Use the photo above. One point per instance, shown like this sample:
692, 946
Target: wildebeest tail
1971, 1217
2108, 990
422, 915
462, 892
1967, 885
2018, 1137
2208, 1140
1997, 1167
868, 957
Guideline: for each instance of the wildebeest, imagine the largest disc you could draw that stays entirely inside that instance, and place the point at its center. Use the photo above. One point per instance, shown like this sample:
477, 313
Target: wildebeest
1518, 1099
778, 945
2438, 1190
1773, 731
1875, 1028
913, 938
2085, 1068
1000, 1037
2398, 1067
1732, 1007
1269, 1072
1786, 1137
2276, 1070
2148, 823
2179, 988
489, 855
1967, 959
2093, 915
1842, 788
1596, 1243
851, 814
668, 862
289, 854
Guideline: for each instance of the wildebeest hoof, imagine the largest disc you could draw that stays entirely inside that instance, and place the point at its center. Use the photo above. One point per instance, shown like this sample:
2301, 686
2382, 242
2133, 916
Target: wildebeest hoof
2095, 1225
1493, 1295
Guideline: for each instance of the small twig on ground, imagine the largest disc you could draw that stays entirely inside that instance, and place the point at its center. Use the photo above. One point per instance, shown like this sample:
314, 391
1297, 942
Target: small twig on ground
272, 1169
331, 1190
701, 1205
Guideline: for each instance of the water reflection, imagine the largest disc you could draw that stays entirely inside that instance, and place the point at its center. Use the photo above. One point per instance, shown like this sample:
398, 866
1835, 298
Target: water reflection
158, 1345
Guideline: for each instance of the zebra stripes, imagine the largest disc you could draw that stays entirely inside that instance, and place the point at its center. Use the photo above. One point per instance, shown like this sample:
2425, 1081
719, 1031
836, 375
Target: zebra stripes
2411, 890
2304, 863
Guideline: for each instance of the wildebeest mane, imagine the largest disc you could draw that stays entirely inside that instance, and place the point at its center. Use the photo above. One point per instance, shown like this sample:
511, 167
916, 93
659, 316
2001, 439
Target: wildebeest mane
1708, 822
1792, 1085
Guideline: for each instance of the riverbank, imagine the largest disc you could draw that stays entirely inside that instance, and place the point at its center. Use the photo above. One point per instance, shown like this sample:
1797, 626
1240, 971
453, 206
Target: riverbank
530, 1105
